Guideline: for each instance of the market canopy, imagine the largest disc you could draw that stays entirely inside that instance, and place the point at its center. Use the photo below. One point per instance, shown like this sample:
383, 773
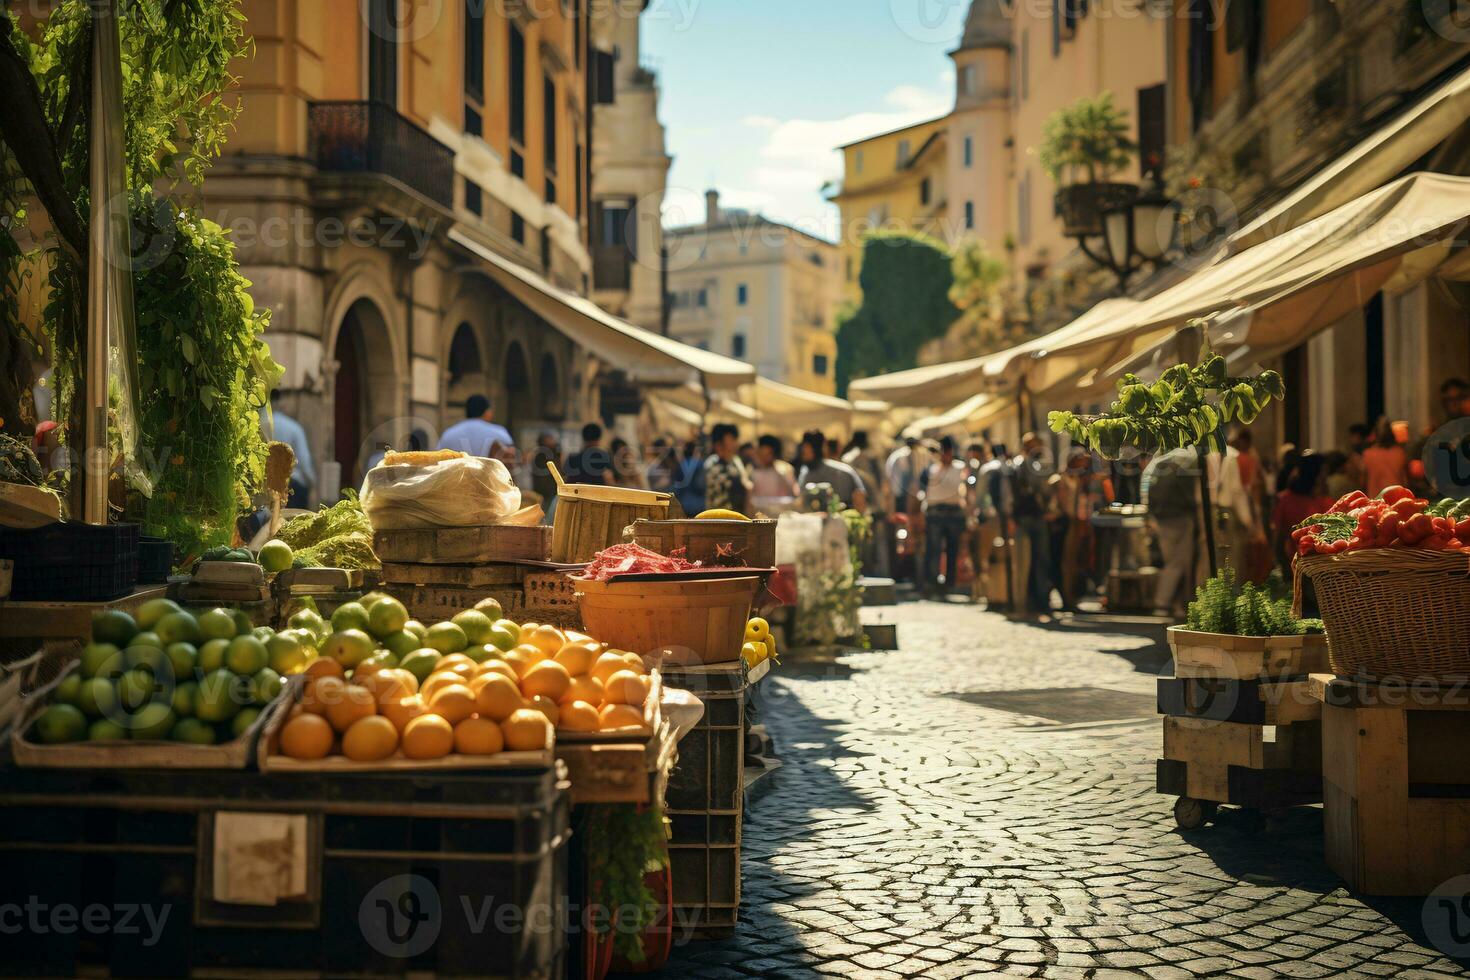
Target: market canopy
972, 415
647, 357
1372, 162
1275, 296
770, 405
922, 387
1302, 280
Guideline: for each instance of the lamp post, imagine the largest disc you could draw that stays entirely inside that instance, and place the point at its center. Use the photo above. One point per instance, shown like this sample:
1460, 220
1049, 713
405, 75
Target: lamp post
1135, 234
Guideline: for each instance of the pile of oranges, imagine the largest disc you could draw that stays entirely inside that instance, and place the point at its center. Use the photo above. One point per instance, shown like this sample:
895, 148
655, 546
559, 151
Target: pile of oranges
513, 702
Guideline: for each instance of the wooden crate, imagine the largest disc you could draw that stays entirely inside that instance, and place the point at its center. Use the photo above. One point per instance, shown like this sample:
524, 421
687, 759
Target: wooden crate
463, 545
754, 542
1212, 747
1199, 654
1258, 789
1253, 702
485, 575
431, 603
1396, 784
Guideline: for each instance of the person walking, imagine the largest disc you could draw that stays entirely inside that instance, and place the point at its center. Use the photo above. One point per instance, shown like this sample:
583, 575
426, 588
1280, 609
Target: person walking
864, 459
477, 434
627, 469
547, 451
773, 481
1171, 494
280, 427
726, 479
817, 469
689, 480
1385, 463
1082, 492
1035, 509
992, 507
592, 463
943, 488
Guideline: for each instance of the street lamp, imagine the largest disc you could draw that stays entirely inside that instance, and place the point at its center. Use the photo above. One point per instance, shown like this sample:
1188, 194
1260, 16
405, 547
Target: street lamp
1135, 234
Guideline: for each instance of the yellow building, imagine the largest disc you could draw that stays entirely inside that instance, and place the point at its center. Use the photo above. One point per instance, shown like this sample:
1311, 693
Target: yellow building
743, 285
371, 131
894, 180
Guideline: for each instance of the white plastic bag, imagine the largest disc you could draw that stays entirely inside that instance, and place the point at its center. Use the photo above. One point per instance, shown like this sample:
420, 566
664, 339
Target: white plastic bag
465, 492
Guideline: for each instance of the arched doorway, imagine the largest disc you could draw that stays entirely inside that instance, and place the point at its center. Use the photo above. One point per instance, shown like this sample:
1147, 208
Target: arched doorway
553, 406
466, 370
520, 406
364, 390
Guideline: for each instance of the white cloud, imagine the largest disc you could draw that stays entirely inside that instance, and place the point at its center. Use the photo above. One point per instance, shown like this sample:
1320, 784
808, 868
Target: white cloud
793, 158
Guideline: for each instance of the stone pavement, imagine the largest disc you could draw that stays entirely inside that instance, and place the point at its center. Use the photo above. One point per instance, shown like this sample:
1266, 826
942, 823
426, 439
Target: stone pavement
982, 801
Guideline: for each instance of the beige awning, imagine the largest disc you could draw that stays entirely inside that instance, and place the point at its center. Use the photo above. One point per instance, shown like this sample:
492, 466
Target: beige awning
922, 387
768, 406
647, 357
1303, 280
1372, 162
969, 416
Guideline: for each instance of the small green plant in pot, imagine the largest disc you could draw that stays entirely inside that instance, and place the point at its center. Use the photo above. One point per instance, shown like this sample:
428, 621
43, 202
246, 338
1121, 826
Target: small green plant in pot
1083, 146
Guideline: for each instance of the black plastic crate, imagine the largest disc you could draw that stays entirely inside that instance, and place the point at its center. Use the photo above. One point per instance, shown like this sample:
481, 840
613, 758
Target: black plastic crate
155, 560
72, 561
488, 850
705, 802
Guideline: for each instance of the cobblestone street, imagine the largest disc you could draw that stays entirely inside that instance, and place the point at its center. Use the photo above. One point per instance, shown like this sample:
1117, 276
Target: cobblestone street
983, 801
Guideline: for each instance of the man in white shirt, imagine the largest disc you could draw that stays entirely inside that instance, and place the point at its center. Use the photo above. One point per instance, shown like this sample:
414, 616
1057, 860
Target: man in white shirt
476, 435
277, 426
944, 488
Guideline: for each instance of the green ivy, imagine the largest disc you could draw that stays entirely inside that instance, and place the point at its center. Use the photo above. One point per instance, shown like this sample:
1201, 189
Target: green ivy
1188, 406
906, 281
204, 374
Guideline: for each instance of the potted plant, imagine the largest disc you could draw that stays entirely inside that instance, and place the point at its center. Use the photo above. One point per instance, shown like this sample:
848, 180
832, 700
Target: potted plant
1083, 146
1244, 632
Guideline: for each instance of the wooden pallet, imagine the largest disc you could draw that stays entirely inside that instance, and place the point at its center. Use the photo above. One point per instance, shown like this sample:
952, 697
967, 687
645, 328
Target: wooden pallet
463, 545
1258, 789
1212, 747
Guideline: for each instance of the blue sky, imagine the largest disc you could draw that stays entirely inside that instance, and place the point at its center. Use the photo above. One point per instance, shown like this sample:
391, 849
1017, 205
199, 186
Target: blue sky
756, 94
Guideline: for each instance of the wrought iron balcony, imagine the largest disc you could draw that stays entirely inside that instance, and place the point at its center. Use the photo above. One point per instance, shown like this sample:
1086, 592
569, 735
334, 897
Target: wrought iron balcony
371, 137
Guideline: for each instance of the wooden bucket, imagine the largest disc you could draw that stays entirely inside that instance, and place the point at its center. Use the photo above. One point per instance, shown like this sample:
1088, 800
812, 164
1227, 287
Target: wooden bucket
590, 518
754, 542
689, 621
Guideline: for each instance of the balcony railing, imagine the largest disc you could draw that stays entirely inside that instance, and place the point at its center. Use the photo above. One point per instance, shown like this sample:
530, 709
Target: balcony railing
371, 137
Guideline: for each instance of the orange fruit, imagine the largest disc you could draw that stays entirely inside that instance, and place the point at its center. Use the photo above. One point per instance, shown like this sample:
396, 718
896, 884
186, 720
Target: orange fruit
608, 664
370, 739
428, 737
403, 711
457, 662
526, 730
548, 678
307, 736
436, 680
547, 707
355, 704
579, 716
454, 702
584, 688
478, 736
578, 657
619, 716
321, 691
523, 658
498, 697
625, 687
323, 667
635, 663
391, 684
547, 639
497, 667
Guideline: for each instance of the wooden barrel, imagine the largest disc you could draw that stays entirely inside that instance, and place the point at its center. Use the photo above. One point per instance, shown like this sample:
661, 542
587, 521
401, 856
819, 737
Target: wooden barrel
586, 525
691, 621
753, 542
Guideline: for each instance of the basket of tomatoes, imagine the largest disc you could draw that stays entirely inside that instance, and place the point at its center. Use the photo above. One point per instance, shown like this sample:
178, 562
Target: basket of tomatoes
1392, 579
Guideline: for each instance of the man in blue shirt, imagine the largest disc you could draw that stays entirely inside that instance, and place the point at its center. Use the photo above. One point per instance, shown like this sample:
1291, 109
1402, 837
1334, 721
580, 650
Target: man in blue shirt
277, 426
476, 435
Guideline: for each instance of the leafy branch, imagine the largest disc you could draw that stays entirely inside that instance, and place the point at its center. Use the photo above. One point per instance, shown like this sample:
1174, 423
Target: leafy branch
1188, 406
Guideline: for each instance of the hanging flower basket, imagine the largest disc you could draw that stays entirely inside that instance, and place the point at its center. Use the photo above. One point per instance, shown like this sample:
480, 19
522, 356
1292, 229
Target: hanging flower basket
1081, 206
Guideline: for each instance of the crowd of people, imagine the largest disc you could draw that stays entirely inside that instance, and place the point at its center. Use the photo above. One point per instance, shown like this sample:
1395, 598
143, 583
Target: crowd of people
1010, 528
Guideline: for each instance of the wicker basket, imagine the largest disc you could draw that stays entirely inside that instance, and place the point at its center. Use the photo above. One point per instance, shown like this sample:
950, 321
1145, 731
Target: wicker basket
689, 621
1394, 612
